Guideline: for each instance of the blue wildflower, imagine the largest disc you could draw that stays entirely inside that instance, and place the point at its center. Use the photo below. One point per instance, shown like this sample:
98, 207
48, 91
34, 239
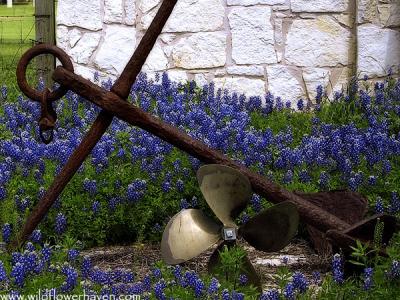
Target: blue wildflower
73, 254
60, 224
368, 279
300, 282
6, 233
270, 295
337, 269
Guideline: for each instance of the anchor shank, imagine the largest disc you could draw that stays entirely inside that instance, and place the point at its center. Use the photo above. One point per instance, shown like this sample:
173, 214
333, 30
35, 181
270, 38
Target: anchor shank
310, 213
122, 88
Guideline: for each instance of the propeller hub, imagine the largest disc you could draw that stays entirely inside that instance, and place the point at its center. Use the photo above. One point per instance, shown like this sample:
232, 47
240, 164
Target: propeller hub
229, 233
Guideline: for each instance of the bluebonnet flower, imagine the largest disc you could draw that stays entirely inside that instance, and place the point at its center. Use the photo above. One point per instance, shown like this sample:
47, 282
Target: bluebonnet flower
245, 218
304, 176
243, 279
386, 167
194, 201
90, 186
288, 177
270, 295
285, 260
6, 232
180, 186
337, 269
213, 287
157, 227
71, 280
256, 202
184, 204
3, 274
225, 295
30, 247
368, 279
324, 180
146, 283
372, 180
3, 193
72, 254
300, 104
199, 288
18, 272
46, 253
394, 203
237, 295
394, 272
86, 267
36, 236
318, 97
379, 207
159, 290
316, 278
96, 207
289, 291
4, 92
157, 273
60, 224
300, 282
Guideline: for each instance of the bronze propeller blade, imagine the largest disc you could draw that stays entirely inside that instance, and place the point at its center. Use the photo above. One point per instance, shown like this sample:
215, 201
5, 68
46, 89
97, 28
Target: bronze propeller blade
272, 229
226, 190
188, 234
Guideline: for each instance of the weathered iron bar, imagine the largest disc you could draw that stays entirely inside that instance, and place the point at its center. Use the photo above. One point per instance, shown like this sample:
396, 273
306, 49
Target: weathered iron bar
117, 106
121, 88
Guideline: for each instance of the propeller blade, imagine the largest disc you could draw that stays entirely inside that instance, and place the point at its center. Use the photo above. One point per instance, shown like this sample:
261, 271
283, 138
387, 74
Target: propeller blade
272, 229
226, 190
247, 267
188, 234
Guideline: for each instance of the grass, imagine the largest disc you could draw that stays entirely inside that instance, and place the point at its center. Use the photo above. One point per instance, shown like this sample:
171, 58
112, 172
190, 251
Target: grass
17, 30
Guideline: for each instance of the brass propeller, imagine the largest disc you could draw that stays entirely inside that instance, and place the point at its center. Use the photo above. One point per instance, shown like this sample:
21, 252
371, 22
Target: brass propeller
227, 192
187, 235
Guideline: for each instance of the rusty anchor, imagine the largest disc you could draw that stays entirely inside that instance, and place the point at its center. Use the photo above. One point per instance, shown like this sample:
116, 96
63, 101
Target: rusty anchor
334, 218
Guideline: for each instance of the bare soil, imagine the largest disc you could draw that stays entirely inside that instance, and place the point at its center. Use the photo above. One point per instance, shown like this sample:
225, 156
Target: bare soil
141, 257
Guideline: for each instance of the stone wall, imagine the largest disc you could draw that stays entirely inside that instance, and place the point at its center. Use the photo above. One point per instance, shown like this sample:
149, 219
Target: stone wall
286, 47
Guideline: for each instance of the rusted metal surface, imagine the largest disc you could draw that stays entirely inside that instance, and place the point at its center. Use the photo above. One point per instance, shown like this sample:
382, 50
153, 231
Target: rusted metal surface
114, 103
103, 120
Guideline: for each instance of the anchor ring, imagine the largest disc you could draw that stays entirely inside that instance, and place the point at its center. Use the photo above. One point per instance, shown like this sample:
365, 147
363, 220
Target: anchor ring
23, 65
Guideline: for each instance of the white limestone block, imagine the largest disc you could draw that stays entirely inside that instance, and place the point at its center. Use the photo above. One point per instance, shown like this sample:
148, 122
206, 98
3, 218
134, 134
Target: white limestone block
253, 2
319, 5
200, 50
246, 70
177, 75
314, 77
86, 46
389, 14
113, 11
147, 5
157, 60
282, 82
252, 35
116, 50
130, 12
378, 50
62, 37
319, 42
74, 35
241, 85
191, 16
80, 13
367, 11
